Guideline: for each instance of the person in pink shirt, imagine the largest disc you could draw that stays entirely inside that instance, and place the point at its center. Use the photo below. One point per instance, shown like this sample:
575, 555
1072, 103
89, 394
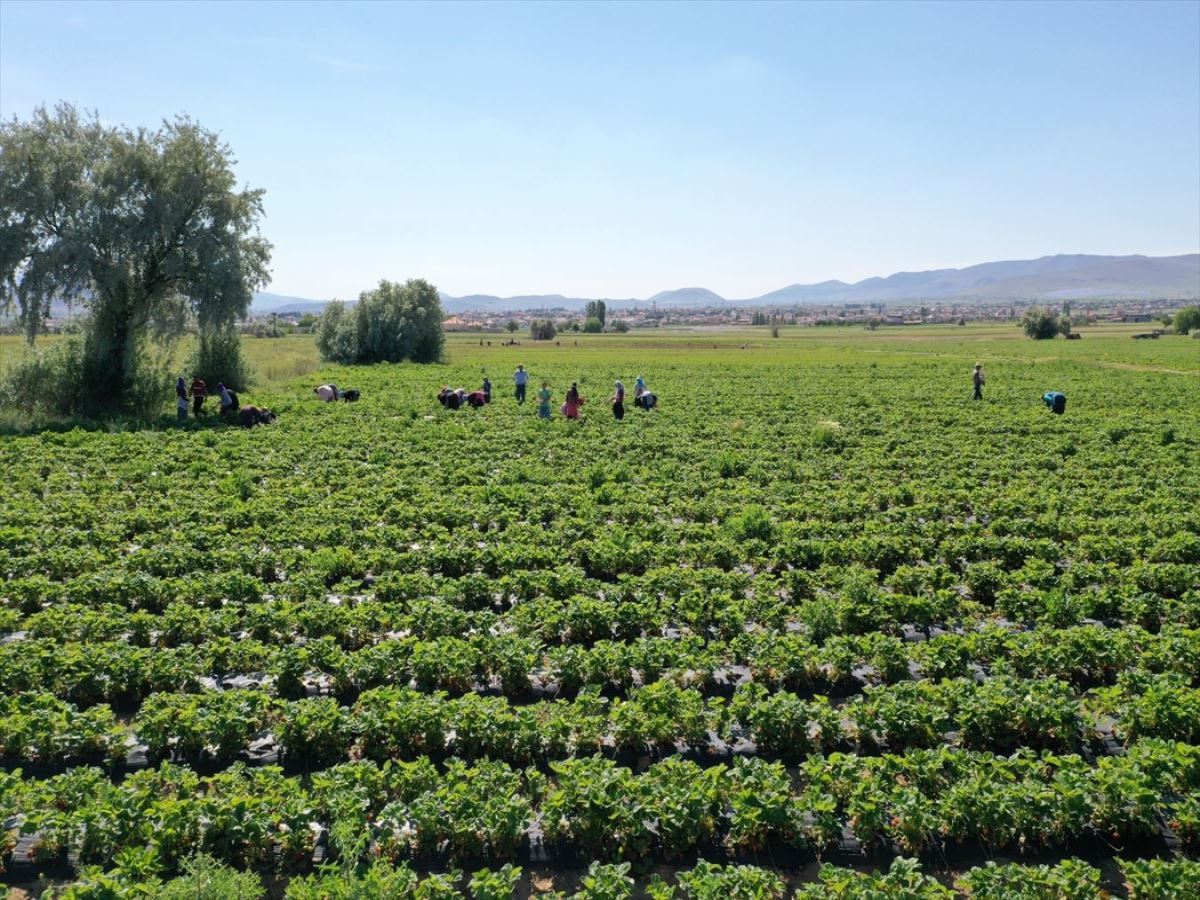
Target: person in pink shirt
570, 407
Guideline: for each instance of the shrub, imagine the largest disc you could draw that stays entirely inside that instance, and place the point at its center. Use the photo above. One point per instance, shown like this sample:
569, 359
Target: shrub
218, 359
46, 381
66, 381
337, 338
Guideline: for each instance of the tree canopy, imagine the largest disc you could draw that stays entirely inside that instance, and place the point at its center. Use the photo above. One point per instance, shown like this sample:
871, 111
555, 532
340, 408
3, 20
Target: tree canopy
1040, 323
392, 323
141, 228
1186, 319
596, 309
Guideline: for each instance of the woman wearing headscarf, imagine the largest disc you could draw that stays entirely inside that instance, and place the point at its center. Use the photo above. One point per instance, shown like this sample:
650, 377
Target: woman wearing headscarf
228, 404
618, 401
181, 399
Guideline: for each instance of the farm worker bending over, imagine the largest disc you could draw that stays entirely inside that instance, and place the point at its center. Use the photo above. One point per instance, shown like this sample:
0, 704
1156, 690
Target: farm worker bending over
327, 392
639, 387
647, 400
451, 399
618, 401
543, 397
255, 415
1056, 401
520, 378
476, 399
228, 401
181, 400
979, 380
199, 391
570, 407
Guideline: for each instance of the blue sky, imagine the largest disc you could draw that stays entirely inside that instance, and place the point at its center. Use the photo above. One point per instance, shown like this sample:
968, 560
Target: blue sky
616, 150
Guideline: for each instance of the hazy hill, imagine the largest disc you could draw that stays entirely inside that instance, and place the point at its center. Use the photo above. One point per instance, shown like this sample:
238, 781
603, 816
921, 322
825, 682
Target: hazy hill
1047, 278
265, 303
1050, 278
686, 297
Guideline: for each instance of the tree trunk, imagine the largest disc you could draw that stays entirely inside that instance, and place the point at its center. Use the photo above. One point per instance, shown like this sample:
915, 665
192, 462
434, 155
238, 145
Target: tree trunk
110, 356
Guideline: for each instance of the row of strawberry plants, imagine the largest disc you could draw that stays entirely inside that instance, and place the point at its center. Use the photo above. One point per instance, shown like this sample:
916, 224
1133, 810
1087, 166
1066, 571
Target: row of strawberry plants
911, 803
564, 605
117, 672
393, 722
1071, 879
1085, 653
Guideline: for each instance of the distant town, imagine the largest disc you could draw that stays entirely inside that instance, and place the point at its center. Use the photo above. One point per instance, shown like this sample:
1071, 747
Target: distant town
866, 315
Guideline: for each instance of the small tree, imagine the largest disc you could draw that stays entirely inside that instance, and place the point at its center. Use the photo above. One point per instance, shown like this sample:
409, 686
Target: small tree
620, 326
593, 326
542, 330
1039, 323
1187, 319
392, 323
596, 309
511, 326
337, 338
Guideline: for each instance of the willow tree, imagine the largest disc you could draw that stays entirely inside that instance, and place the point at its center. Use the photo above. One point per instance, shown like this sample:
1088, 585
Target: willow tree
146, 230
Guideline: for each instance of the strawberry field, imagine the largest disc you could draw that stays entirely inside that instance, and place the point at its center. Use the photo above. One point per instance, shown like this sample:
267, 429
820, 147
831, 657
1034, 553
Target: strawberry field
820, 626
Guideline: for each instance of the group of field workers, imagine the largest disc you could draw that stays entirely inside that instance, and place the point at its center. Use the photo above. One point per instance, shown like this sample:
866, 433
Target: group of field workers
572, 405
231, 407
573, 402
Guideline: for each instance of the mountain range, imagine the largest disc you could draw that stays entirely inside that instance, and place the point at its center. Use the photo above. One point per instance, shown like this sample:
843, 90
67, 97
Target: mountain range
1048, 279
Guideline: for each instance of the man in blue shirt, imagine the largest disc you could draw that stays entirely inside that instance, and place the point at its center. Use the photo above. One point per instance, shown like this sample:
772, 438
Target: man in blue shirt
521, 378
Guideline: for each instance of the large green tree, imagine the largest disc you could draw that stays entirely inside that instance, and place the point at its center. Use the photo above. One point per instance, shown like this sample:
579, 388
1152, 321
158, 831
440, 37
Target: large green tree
144, 229
391, 323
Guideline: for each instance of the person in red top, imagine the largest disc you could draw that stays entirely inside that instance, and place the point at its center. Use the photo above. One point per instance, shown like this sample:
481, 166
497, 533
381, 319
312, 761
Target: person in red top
570, 407
199, 392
